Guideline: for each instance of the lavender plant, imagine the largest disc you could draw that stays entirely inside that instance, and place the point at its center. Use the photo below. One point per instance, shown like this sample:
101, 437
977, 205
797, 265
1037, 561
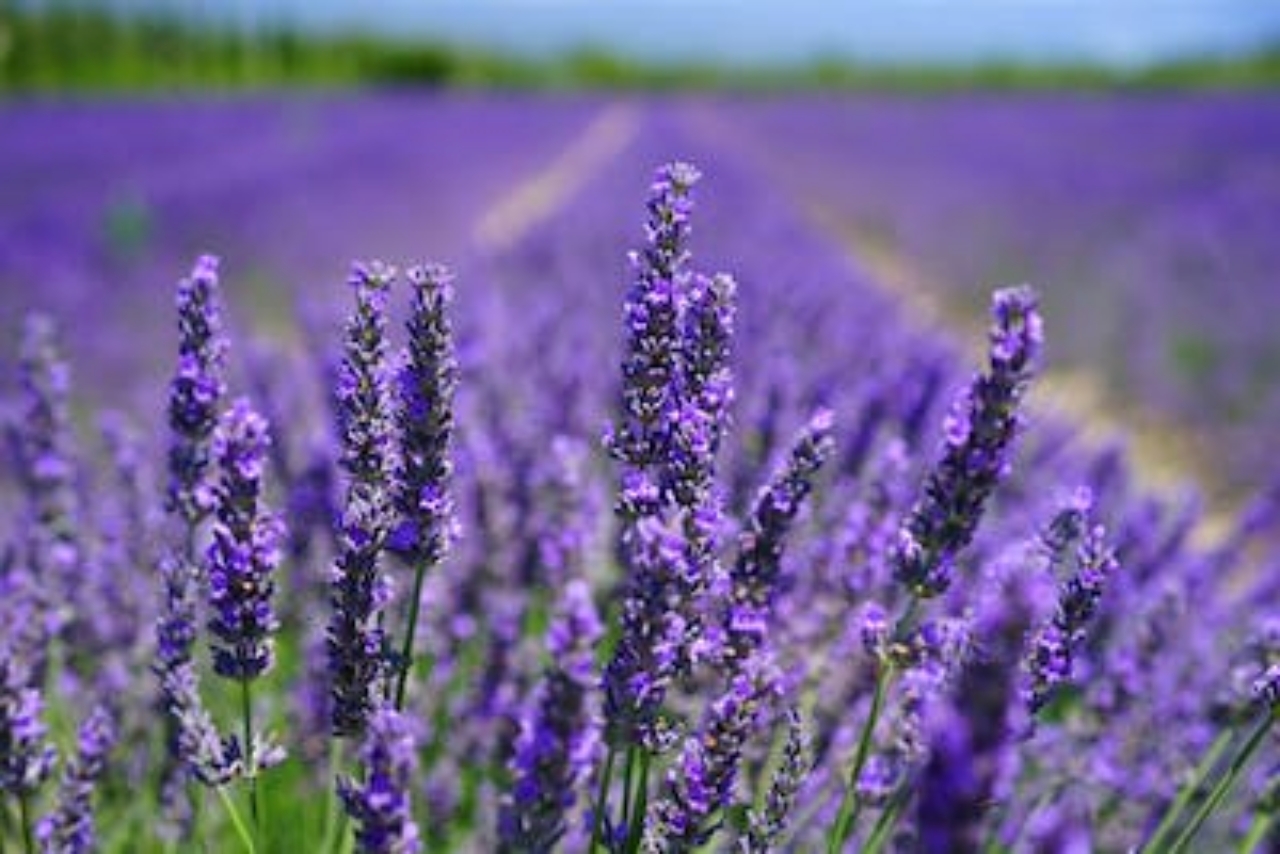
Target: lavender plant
357, 640
846, 642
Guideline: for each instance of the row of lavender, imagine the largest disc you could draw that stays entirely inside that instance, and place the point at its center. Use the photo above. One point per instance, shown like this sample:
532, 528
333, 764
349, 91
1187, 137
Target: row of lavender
100, 202
909, 627
1150, 222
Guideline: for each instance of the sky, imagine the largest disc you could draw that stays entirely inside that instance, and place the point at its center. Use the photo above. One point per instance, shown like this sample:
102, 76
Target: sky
1116, 32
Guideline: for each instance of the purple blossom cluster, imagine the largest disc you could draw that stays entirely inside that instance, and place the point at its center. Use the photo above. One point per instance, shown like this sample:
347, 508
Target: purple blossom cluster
908, 625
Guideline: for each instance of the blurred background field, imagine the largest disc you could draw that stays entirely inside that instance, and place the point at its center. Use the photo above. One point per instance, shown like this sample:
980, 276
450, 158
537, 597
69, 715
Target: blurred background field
1131, 173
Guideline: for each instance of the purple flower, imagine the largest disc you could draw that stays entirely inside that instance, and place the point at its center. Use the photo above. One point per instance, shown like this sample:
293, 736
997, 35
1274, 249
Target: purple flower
1051, 652
766, 824
555, 747
979, 438
245, 551
704, 387
26, 758
426, 381
754, 576
356, 639
44, 443
70, 828
665, 448
202, 750
379, 802
195, 393
702, 779
649, 651
652, 314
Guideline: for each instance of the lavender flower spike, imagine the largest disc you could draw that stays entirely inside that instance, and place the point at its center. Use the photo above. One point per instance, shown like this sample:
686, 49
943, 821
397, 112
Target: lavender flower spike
554, 748
25, 755
70, 828
979, 438
356, 640
245, 550
380, 802
195, 741
650, 368
657, 631
196, 391
44, 444
754, 575
701, 782
427, 380
767, 824
1051, 656
705, 387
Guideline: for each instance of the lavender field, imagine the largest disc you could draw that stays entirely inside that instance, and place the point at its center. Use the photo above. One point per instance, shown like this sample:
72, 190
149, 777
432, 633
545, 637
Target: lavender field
684, 474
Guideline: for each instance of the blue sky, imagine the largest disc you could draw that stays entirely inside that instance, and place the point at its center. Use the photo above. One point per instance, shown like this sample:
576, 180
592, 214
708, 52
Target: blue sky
1121, 32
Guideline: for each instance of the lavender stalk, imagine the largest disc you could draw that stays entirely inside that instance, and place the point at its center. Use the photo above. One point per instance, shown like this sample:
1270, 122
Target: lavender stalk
427, 382
356, 638
70, 828
379, 803
242, 559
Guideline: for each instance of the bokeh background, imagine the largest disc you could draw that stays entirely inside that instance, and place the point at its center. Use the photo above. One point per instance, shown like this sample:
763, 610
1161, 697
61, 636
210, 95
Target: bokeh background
1123, 157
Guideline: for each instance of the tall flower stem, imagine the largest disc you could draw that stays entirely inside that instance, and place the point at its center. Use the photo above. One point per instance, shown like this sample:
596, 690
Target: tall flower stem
883, 830
1226, 783
849, 804
406, 651
639, 800
602, 798
1160, 837
246, 710
1258, 832
24, 809
628, 781
335, 818
237, 821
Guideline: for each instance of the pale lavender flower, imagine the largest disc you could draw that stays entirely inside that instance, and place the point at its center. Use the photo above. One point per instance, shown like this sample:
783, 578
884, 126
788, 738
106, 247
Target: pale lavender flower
26, 757
555, 747
69, 829
44, 443
979, 434
650, 367
766, 825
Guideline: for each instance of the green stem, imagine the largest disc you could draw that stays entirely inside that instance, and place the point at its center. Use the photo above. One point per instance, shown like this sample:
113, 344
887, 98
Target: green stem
406, 652
24, 810
602, 798
331, 811
888, 818
639, 805
246, 715
1258, 832
628, 780
241, 829
849, 803
1223, 788
1160, 837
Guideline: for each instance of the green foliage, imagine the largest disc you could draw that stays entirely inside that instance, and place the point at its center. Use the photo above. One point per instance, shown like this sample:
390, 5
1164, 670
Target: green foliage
81, 47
